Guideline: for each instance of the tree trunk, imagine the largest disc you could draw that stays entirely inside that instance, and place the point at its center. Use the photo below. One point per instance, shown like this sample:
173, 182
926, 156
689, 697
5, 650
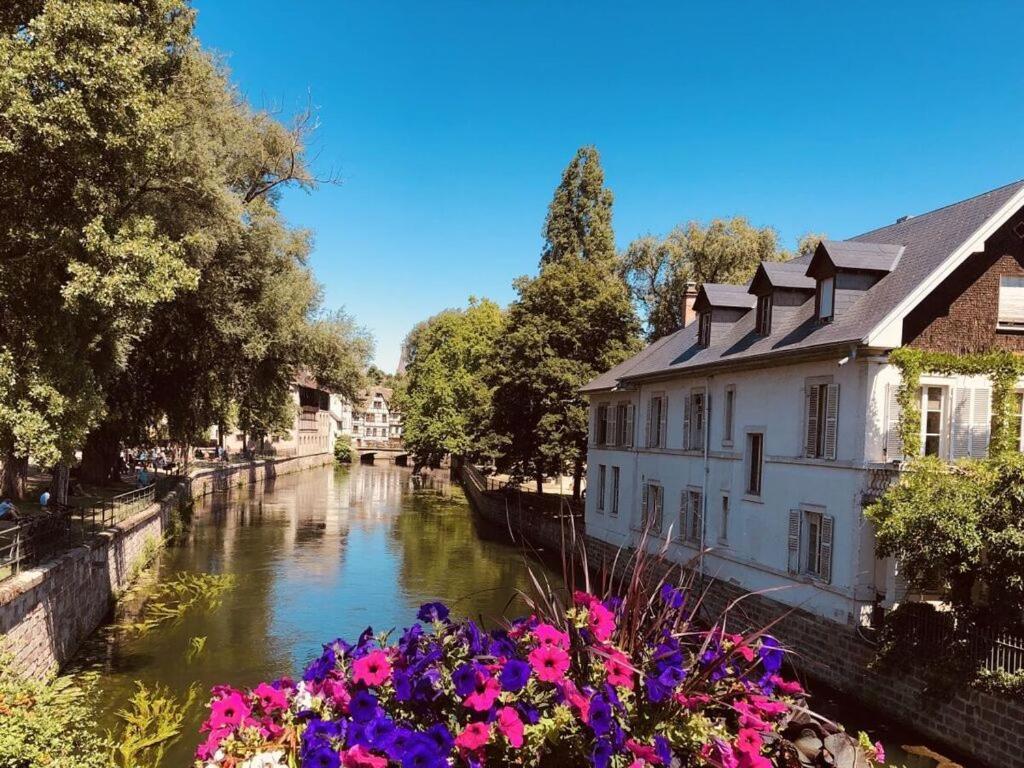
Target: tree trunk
577, 479
14, 471
99, 456
540, 482
59, 486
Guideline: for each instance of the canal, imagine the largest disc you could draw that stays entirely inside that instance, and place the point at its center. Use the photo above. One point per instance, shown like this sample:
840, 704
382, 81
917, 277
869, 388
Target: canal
318, 555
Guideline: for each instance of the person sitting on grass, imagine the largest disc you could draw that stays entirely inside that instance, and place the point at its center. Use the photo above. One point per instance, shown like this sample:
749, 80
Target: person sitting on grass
8, 511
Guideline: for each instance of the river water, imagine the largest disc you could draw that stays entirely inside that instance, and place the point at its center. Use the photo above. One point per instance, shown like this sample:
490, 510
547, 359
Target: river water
318, 555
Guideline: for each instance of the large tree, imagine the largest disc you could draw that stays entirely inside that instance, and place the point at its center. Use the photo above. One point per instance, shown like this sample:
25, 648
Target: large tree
570, 323
446, 399
723, 251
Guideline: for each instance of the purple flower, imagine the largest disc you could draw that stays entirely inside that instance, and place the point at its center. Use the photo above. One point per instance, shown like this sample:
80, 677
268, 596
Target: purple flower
514, 675
464, 679
403, 684
431, 612
771, 654
601, 757
600, 715
672, 597
656, 692
322, 757
318, 669
661, 745
380, 731
672, 677
422, 755
363, 706
441, 737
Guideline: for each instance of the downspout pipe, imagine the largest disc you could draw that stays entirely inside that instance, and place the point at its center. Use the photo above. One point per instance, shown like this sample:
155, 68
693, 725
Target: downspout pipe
707, 471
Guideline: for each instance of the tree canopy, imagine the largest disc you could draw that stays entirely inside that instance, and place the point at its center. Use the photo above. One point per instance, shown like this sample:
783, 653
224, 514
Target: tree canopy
579, 220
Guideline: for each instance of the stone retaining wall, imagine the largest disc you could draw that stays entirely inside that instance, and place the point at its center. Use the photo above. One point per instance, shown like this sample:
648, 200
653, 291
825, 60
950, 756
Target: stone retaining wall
46, 612
971, 722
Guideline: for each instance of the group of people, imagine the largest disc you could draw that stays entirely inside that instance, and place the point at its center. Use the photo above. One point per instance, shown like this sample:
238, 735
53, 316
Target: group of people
138, 462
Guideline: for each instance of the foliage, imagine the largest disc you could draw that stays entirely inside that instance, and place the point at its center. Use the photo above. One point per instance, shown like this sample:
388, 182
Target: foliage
723, 251
343, 449
46, 723
572, 322
446, 399
1001, 682
172, 599
150, 723
579, 220
558, 690
196, 645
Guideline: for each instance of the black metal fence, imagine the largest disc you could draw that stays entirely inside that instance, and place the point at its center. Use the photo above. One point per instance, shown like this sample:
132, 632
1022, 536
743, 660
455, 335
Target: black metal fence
31, 540
990, 650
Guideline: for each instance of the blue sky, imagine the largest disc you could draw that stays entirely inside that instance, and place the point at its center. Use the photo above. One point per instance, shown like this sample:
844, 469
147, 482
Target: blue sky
450, 122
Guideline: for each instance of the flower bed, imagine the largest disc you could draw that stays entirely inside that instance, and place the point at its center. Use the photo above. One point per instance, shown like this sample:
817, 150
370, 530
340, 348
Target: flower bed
590, 685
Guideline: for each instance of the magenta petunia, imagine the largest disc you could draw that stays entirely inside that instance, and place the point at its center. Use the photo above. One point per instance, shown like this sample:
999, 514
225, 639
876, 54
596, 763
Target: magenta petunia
473, 737
372, 669
549, 663
549, 635
483, 696
601, 622
228, 712
510, 726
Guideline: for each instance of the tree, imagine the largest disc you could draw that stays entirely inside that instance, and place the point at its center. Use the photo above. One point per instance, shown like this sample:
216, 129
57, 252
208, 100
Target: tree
446, 399
579, 220
570, 323
724, 251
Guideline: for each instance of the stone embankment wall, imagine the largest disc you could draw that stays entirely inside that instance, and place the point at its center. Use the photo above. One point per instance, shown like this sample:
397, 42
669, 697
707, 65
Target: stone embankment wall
46, 612
986, 726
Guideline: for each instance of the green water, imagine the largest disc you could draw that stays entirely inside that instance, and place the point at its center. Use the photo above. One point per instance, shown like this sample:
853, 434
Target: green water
317, 555
326, 553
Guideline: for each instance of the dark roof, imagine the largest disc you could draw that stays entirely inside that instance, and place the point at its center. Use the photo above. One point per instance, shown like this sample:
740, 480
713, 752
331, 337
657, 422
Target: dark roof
723, 295
854, 254
781, 274
928, 241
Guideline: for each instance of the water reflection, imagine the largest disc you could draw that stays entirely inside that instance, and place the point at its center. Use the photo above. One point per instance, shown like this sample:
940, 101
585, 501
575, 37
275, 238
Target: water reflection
317, 555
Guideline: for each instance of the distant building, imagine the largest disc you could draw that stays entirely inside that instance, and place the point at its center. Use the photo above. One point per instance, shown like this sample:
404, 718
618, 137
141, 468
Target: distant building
374, 419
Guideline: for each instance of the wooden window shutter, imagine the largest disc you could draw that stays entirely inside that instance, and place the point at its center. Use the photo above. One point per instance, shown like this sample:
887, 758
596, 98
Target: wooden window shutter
630, 424
663, 429
827, 528
687, 417
893, 439
613, 413
793, 540
960, 430
594, 419
831, 436
698, 517
982, 425
684, 513
645, 498
649, 434
659, 499
811, 393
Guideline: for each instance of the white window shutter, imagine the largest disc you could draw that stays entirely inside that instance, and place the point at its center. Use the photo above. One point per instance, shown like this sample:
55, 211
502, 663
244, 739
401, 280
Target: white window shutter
831, 436
893, 439
645, 498
613, 413
961, 427
649, 434
982, 425
663, 431
687, 405
810, 420
630, 424
684, 513
827, 528
594, 419
793, 540
659, 498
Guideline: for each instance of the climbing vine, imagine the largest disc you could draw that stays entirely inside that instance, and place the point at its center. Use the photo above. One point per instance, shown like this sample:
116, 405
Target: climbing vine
1002, 368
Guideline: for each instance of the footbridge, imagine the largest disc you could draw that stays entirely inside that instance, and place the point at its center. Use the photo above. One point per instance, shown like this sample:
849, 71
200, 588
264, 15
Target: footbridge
390, 451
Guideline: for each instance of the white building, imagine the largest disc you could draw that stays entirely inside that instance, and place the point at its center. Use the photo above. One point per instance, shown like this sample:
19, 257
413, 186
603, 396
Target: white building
374, 419
759, 432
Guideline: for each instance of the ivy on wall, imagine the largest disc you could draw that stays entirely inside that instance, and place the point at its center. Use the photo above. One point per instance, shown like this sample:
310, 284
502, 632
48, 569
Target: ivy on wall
1002, 368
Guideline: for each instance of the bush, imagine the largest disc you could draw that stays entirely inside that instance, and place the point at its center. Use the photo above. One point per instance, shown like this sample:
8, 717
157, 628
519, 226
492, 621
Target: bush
47, 724
343, 449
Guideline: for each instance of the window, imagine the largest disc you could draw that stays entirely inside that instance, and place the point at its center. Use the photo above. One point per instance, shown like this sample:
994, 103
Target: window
755, 461
615, 491
727, 414
600, 487
764, 314
723, 524
693, 420
652, 506
826, 298
810, 543
932, 411
691, 512
704, 329
821, 415
656, 419
602, 425
624, 424
1011, 304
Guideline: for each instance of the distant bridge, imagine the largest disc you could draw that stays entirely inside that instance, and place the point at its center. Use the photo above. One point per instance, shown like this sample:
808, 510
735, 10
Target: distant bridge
392, 451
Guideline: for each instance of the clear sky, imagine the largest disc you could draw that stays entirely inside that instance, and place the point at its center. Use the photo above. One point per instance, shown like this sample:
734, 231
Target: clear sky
450, 123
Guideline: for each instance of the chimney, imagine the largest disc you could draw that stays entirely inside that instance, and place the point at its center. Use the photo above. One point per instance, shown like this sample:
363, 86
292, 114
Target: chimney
689, 296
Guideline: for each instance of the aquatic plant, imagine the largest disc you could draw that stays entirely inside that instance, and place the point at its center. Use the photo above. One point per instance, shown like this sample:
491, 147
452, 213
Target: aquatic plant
150, 723
171, 600
594, 683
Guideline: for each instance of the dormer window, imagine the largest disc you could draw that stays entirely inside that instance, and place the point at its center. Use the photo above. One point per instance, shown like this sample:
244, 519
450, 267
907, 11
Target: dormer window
826, 299
704, 329
764, 314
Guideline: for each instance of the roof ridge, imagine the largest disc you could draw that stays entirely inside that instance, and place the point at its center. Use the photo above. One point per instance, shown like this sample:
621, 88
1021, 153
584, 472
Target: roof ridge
915, 217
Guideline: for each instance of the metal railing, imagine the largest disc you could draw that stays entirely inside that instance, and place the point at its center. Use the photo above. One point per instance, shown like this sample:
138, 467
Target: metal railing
29, 541
990, 650
545, 504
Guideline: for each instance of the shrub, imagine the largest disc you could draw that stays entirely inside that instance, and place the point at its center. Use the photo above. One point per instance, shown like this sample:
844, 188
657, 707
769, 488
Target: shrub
343, 449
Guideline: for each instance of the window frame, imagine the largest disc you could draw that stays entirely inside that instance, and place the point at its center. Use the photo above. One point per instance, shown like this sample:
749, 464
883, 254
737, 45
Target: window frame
728, 415
751, 492
942, 434
723, 519
704, 329
655, 500
602, 472
763, 318
819, 296
614, 511
1009, 325
655, 426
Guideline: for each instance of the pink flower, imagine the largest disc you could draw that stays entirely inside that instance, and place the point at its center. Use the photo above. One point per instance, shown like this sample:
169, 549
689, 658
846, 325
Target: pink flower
601, 622
749, 742
787, 687
482, 698
745, 651
719, 753
549, 662
549, 635
337, 693
510, 726
372, 669
228, 712
693, 702
879, 753
620, 671
361, 757
749, 717
473, 737
576, 699
207, 749
767, 707
644, 752
271, 699
583, 598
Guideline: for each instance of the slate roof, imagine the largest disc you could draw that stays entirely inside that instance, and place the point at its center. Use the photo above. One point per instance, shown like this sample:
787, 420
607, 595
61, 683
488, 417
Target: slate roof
787, 274
927, 241
725, 295
853, 254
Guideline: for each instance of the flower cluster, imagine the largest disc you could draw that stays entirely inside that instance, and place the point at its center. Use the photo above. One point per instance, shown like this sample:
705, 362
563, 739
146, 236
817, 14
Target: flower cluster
535, 693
